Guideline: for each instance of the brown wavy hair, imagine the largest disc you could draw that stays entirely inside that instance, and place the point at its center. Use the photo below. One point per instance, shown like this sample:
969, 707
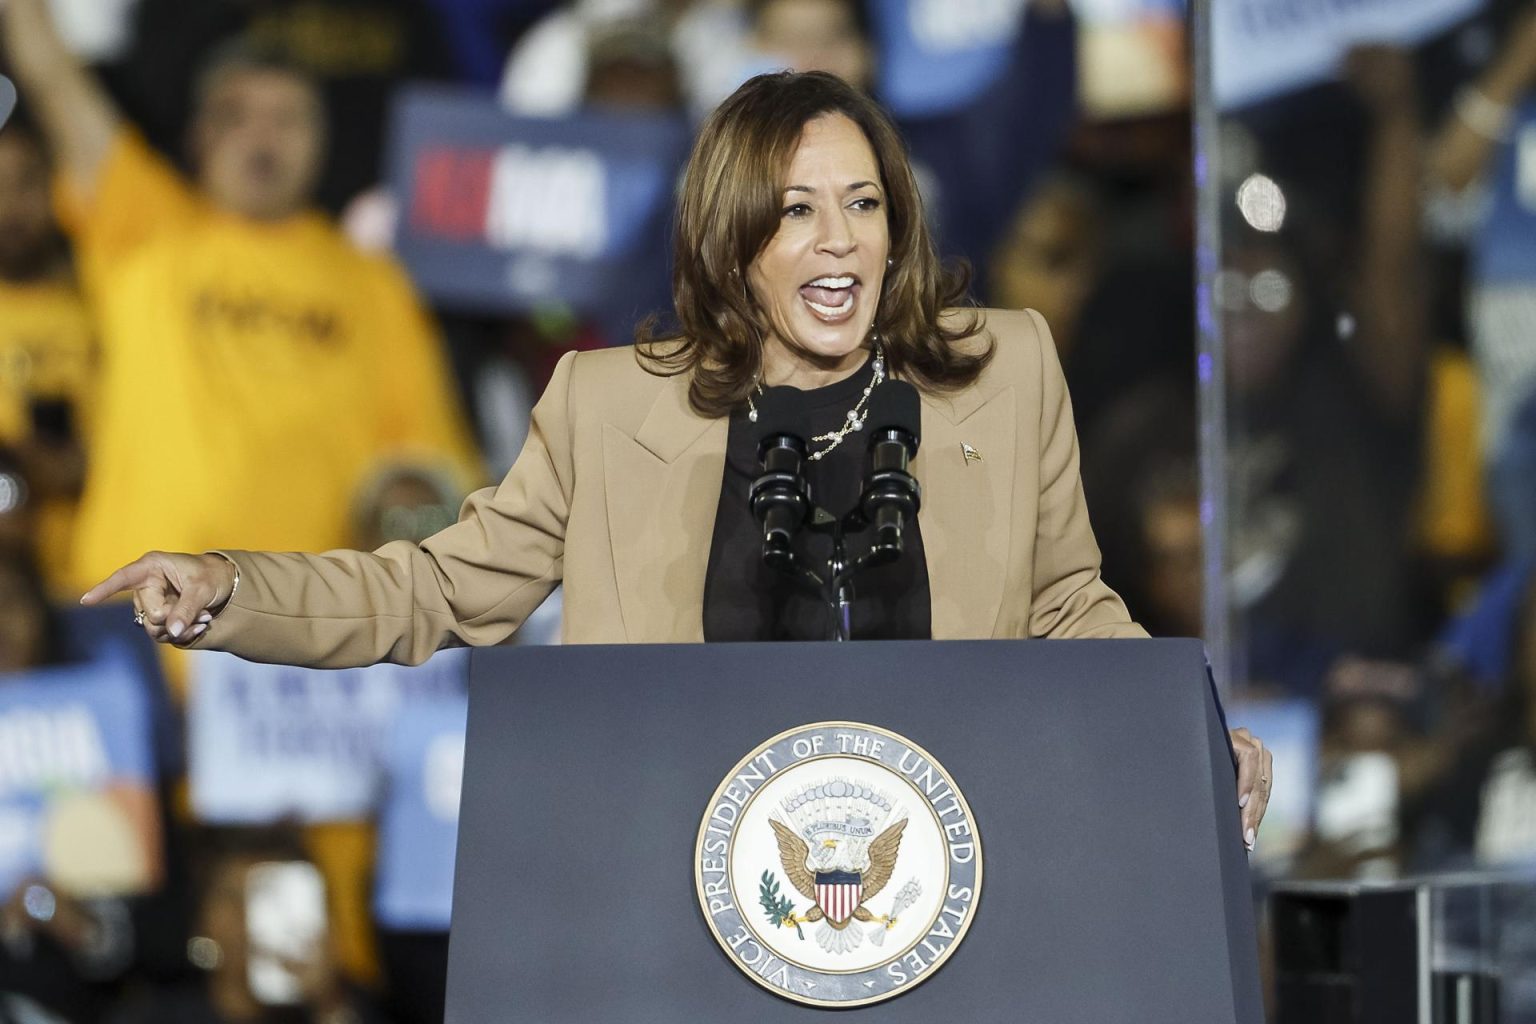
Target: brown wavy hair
729, 209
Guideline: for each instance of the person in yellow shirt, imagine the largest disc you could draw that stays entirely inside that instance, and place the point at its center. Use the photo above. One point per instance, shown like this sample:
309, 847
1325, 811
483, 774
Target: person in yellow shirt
47, 348
256, 366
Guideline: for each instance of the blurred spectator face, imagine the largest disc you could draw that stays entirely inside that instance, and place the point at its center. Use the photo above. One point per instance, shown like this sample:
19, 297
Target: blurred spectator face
815, 35
1174, 584
1362, 726
258, 141
23, 616
633, 86
632, 69
818, 279
27, 235
404, 504
1259, 293
1050, 258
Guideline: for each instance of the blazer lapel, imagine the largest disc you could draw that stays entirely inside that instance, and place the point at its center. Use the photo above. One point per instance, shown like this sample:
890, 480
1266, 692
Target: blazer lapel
966, 465
662, 489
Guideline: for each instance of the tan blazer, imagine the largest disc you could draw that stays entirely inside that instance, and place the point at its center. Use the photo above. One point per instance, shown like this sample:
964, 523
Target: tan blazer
615, 494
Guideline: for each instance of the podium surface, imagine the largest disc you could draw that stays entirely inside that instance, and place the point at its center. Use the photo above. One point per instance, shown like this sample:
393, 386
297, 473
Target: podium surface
1097, 774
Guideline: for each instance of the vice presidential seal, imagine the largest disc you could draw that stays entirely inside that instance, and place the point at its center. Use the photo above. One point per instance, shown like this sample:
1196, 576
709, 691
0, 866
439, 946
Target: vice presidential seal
838, 864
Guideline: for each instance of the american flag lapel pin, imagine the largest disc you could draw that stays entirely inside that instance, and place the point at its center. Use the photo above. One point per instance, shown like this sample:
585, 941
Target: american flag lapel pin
971, 454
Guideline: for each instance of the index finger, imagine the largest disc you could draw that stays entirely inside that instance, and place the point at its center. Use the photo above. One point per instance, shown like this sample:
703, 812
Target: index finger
1247, 749
129, 577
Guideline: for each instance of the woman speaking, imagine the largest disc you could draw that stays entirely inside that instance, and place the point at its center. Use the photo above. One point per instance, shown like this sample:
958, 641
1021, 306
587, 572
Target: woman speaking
802, 262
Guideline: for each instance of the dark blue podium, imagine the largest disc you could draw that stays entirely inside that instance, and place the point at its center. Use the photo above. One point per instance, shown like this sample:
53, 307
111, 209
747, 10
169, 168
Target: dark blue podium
1098, 774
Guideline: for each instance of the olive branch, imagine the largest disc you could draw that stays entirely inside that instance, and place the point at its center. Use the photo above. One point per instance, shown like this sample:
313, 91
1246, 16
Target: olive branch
780, 911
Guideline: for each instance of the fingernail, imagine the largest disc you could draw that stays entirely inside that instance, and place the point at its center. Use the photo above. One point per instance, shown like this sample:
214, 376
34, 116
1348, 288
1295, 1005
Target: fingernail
1250, 837
206, 617
1242, 801
175, 629
199, 629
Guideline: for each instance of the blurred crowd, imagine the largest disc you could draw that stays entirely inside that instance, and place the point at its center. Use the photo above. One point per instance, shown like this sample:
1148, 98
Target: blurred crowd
205, 342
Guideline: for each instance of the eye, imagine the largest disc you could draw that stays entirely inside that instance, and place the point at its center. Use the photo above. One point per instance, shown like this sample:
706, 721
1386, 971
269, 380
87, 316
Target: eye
866, 203
797, 210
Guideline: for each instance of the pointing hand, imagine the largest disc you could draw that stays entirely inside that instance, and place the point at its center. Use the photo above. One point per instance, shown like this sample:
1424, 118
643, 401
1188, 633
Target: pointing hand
175, 596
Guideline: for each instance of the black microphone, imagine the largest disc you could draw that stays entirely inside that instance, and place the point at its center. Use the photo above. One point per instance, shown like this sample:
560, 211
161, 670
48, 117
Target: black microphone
7, 100
891, 495
780, 497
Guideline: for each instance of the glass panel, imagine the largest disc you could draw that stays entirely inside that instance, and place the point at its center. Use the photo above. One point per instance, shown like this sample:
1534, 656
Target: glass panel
1367, 369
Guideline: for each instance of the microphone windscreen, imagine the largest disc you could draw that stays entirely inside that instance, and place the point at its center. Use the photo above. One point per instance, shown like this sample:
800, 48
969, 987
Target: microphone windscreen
778, 413
7, 100
894, 404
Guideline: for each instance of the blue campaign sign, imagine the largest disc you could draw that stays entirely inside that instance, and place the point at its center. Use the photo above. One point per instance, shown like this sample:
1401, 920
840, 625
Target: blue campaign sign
418, 827
1505, 249
77, 778
1265, 48
512, 214
268, 742
937, 56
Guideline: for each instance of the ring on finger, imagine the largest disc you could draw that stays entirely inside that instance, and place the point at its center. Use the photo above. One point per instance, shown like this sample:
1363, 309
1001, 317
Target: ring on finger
138, 616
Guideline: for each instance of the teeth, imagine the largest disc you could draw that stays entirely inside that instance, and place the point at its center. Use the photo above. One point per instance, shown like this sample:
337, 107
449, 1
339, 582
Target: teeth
845, 281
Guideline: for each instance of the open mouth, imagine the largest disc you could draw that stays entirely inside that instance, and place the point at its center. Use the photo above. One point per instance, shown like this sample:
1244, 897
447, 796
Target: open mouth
831, 299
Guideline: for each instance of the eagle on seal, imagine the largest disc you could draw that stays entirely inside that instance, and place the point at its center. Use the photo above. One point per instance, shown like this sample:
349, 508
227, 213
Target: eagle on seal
839, 894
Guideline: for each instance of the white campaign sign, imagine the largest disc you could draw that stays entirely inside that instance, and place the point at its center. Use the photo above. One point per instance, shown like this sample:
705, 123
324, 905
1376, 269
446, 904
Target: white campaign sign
1263, 48
268, 742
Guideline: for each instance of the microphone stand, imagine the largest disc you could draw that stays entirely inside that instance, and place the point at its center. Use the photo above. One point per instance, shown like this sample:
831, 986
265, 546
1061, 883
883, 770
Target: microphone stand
891, 499
836, 587
841, 602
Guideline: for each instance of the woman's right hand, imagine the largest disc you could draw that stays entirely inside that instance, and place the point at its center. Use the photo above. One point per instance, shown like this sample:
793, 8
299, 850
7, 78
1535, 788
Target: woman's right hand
175, 595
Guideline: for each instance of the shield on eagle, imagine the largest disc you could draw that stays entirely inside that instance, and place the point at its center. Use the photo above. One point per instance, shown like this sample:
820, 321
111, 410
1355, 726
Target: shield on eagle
839, 894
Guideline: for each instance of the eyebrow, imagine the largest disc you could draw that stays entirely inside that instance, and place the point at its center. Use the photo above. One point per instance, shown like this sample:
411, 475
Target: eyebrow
851, 188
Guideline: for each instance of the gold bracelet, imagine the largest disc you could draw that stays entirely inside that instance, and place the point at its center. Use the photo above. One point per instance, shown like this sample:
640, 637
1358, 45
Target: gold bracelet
234, 587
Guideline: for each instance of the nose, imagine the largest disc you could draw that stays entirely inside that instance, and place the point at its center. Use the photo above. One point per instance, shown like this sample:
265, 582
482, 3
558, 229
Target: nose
836, 232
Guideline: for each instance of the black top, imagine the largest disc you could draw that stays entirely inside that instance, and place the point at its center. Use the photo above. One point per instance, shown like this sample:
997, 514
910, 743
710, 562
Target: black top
746, 600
